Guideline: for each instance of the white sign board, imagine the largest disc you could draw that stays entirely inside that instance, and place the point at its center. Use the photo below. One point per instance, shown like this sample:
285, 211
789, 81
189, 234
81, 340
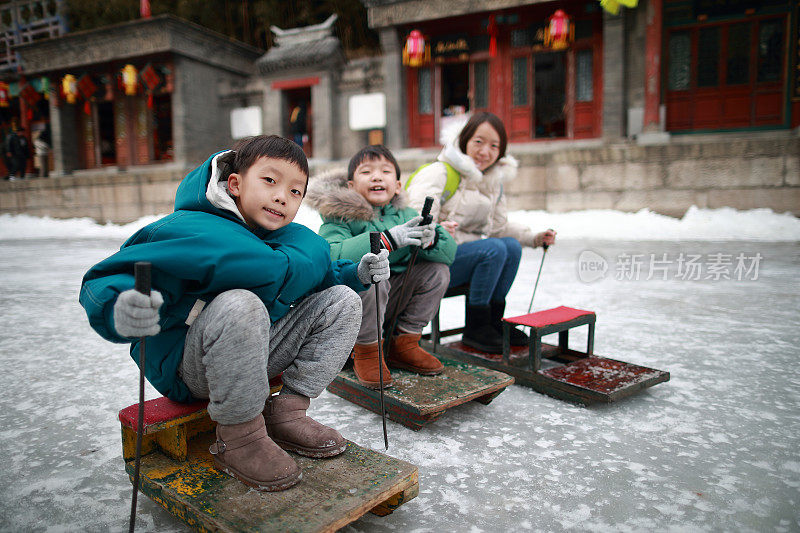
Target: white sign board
368, 111
246, 122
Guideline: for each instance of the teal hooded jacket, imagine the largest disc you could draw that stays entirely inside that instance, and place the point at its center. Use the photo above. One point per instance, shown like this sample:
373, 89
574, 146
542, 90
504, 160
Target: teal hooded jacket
197, 252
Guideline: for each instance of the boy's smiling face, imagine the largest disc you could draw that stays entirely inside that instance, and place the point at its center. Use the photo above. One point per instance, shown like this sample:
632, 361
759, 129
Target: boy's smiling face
269, 193
376, 180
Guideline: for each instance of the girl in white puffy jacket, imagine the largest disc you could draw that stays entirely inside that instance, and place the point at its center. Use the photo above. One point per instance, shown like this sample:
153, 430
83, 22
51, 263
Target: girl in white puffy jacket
489, 246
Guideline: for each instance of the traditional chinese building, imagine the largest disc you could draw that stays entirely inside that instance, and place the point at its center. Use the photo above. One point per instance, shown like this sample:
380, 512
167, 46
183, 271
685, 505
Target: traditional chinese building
663, 105
676, 66
137, 93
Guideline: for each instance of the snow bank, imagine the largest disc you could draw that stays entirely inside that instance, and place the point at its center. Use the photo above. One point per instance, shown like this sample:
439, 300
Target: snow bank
724, 224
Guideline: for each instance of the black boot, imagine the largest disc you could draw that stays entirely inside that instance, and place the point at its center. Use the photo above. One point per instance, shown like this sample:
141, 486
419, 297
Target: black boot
479, 332
518, 338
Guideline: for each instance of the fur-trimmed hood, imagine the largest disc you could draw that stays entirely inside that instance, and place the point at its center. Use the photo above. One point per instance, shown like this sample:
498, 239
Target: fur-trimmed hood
503, 170
329, 194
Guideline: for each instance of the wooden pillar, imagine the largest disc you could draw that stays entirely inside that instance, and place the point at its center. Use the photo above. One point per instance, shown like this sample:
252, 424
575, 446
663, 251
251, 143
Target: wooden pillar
652, 72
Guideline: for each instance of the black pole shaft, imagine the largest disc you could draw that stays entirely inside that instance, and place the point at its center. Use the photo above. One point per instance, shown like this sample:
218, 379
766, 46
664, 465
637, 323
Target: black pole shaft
426, 219
375, 248
141, 271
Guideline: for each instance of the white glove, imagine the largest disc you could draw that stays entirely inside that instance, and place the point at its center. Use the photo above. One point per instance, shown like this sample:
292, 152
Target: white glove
373, 268
428, 235
136, 314
408, 234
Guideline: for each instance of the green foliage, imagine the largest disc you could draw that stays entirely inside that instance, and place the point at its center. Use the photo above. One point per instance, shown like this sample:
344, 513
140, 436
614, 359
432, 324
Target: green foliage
245, 20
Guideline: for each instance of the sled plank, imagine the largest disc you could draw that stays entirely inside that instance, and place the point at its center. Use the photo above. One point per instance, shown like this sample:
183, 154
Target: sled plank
332, 493
584, 379
415, 401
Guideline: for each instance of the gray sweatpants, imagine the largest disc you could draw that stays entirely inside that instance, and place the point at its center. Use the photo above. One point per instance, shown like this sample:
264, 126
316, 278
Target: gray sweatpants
233, 348
428, 283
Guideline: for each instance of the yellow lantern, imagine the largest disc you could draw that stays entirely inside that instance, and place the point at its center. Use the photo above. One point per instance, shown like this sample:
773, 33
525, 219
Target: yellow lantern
130, 79
69, 86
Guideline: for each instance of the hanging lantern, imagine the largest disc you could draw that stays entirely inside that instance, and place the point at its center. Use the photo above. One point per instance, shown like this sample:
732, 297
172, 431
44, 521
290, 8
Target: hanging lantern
560, 31
29, 94
4, 101
129, 79
416, 51
69, 86
86, 86
44, 85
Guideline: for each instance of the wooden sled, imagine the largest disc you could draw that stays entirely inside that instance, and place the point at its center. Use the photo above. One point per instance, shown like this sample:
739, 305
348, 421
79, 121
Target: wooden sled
415, 401
177, 472
581, 377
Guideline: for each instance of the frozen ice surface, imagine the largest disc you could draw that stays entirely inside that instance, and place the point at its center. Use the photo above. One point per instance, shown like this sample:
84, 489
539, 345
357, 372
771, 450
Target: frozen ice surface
714, 449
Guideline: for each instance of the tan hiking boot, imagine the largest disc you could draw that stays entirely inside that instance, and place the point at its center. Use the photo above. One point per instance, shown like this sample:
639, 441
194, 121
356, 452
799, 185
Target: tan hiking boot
291, 429
365, 365
405, 352
245, 452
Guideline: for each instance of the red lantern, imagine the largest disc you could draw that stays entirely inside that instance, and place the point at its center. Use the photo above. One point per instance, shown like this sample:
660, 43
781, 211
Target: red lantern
560, 31
416, 51
4, 94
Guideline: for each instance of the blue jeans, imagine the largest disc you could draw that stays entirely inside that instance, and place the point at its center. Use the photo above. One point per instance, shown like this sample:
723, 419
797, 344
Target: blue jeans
489, 266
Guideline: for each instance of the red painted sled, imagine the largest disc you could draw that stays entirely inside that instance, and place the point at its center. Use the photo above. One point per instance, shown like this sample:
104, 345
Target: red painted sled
580, 377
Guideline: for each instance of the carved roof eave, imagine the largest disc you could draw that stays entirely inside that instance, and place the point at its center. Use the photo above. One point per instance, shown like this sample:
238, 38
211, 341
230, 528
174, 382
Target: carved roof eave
137, 38
324, 53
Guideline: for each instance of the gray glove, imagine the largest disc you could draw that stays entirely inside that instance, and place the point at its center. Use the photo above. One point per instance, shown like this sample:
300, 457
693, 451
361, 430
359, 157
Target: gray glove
408, 234
374, 268
136, 314
428, 235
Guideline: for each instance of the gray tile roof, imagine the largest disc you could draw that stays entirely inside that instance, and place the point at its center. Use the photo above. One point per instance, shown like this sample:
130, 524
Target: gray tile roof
300, 54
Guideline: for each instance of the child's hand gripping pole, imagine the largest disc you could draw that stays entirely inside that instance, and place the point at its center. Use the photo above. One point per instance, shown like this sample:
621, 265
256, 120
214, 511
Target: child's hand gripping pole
426, 219
141, 272
375, 248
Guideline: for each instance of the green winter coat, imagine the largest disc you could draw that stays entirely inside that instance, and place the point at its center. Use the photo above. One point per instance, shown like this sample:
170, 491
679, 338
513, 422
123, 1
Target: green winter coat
199, 251
348, 218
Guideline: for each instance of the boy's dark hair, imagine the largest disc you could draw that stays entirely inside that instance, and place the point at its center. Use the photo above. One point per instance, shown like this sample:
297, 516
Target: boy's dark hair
476, 120
250, 149
371, 153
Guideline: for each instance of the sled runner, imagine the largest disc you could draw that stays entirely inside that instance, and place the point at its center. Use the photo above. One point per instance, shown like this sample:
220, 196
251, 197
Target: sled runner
581, 377
415, 401
177, 472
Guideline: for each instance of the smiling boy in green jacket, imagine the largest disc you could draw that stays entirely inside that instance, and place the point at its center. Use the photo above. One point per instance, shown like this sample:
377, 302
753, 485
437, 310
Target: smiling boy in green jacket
240, 295
370, 198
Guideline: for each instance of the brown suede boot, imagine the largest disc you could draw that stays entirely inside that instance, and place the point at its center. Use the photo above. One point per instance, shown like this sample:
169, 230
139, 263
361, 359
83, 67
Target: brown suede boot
246, 452
291, 429
404, 352
365, 365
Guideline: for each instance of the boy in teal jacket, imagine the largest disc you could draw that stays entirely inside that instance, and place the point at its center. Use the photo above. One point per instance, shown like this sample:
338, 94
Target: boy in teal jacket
370, 198
240, 295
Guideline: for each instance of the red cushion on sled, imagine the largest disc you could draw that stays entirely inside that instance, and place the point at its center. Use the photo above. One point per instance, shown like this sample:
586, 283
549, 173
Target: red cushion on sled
158, 410
557, 315
163, 409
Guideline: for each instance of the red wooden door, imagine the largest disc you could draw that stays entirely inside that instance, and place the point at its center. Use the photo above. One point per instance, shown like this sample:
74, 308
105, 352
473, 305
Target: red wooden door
727, 75
521, 113
421, 115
